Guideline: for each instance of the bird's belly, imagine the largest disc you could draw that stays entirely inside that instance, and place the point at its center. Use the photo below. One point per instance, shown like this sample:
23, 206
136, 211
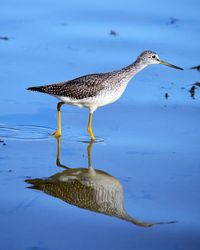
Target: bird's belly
103, 98
107, 97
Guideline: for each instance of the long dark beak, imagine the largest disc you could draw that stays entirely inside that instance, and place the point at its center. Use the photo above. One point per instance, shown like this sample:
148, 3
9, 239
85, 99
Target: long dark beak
169, 65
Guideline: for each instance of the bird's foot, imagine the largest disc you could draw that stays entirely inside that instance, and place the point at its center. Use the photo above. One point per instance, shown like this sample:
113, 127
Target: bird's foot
57, 134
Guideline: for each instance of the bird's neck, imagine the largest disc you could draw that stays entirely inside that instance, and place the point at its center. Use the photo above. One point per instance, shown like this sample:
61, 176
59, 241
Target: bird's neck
135, 67
131, 70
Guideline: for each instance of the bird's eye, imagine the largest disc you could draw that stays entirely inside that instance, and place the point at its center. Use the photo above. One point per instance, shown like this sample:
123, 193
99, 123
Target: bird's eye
154, 57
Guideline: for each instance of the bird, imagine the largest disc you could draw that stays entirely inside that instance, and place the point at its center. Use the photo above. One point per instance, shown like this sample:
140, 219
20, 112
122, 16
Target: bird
99, 89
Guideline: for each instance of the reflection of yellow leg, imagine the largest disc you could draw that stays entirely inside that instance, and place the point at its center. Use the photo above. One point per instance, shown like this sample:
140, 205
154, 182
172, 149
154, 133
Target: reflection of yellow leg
90, 127
58, 131
89, 148
58, 154
58, 151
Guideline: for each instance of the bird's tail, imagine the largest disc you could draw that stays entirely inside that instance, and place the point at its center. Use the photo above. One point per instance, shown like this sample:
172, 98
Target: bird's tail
38, 89
52, 89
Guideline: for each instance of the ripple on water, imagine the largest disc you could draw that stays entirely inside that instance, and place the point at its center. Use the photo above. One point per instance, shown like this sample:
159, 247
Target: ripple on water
25, 132
87, 139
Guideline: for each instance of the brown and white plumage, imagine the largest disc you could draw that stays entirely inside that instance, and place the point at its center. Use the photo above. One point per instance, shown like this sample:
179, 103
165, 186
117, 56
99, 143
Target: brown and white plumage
97, 90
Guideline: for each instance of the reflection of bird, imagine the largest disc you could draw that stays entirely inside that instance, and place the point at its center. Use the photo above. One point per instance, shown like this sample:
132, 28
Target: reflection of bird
97, 90
87, 188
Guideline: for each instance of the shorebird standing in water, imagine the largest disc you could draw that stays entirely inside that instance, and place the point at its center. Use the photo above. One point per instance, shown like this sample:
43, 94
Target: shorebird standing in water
97, 90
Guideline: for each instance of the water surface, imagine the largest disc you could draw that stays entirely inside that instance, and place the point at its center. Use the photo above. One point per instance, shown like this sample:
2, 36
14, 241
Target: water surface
150, 146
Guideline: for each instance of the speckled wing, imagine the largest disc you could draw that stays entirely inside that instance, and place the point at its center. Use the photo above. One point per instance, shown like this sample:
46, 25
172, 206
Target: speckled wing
79, 88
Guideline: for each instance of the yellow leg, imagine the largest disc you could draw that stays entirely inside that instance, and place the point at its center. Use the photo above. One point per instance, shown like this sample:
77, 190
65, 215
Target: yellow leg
90, 127
58, 131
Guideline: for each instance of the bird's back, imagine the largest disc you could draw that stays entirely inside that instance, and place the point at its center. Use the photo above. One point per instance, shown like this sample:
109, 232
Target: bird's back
78, 88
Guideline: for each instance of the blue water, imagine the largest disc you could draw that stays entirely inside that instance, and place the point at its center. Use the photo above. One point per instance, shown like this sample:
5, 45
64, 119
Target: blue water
151, 144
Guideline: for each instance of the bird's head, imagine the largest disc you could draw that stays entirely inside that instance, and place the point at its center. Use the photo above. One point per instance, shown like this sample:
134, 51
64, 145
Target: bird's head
150, 57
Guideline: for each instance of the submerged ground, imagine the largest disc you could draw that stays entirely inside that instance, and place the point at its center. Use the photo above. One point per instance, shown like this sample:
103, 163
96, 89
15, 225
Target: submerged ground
151, 135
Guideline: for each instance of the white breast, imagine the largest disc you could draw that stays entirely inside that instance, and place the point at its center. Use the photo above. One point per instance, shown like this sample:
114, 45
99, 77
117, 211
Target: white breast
103, 98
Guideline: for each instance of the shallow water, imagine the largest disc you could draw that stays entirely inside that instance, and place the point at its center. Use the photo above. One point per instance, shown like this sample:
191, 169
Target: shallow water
148, 145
